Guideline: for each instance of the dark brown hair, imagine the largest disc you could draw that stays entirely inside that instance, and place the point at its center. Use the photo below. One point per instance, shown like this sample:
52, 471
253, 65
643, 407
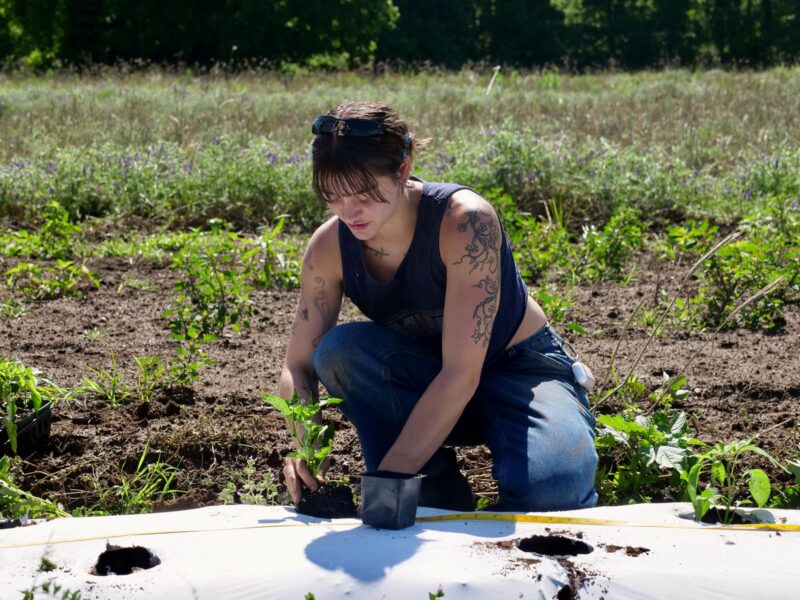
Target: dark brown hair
348, 165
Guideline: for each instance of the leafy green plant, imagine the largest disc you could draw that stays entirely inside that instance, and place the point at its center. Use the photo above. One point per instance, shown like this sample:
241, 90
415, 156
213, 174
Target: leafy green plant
638, 452
11, 309
250, 489
16, 502
35, 282
151, 374
136, 492
716, 478
108, 385
184, 368
56, 239
277, 259
604, 253
22, 388
314, 439
692, 238
789, 495
52, 590
213, 292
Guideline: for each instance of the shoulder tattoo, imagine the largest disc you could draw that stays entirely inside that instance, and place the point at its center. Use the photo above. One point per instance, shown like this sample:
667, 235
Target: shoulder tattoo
482, 250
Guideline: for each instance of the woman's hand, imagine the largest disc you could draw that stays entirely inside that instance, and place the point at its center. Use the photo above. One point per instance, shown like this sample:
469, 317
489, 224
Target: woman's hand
297, 475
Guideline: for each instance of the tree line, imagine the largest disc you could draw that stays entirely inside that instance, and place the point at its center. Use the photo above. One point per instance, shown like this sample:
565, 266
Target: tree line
346, 33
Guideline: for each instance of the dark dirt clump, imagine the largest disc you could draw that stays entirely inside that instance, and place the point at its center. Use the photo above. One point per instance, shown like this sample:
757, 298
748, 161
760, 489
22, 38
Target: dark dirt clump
328, 501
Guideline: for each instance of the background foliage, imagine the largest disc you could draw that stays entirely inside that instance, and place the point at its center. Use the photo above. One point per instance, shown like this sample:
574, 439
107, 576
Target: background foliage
342, 33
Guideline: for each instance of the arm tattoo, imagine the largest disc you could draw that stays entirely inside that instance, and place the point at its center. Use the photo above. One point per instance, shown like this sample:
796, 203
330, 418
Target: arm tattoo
376, 253
485, 311
307, 261
302, 311
323, 306
482, 250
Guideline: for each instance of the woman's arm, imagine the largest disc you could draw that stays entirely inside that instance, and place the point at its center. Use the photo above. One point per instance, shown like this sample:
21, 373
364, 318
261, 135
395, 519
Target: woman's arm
469, 244
317, 312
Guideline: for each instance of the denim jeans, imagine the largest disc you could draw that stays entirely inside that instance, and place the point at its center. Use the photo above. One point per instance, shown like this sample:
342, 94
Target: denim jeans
528, 409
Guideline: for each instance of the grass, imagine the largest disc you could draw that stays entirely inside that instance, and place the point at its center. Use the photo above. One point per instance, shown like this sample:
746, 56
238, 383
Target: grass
182, 148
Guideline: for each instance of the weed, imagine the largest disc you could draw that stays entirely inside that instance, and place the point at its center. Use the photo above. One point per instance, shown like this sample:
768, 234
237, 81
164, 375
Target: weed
248, 489
52, 590
692, 238
108, 385
135, 493
55, 240
134, 283
637, 452
314, 439
277, 260
151, 374
184, 368
213, 292
34, 282
605, 252
95, 333
11, 309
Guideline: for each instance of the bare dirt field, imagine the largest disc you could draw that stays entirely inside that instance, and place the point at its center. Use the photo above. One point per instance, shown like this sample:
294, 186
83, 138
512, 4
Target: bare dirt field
743, 382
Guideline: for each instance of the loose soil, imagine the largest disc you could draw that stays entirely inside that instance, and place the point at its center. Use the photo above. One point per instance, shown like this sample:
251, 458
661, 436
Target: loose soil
743, 382
328, 501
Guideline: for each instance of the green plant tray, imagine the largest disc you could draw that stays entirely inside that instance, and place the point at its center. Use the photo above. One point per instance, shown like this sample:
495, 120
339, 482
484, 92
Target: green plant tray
32, 432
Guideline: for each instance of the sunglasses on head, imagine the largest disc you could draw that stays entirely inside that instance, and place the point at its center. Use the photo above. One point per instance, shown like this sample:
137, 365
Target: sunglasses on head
326, 124
354, 127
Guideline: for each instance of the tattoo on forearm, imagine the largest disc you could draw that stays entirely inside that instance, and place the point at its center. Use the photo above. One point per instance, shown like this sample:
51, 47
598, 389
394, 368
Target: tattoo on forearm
485, 311
376, 253
323, 306
482, 250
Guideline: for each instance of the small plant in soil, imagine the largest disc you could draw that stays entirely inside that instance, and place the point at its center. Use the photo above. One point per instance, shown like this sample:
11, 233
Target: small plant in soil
35, 282
718, 471
151, 375
16, 503
107, 385
135, 493
22, 390
314, 441
249, 489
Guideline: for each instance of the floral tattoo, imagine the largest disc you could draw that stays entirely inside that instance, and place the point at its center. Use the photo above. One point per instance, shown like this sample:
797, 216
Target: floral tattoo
482, 254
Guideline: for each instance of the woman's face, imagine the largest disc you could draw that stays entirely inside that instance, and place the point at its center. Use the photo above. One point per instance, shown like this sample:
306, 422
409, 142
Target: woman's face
365, 216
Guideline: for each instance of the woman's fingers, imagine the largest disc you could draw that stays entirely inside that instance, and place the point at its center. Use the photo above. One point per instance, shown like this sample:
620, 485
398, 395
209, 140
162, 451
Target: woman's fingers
297, 474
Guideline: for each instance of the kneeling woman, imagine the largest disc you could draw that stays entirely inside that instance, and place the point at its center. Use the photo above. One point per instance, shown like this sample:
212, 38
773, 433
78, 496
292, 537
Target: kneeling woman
455, 353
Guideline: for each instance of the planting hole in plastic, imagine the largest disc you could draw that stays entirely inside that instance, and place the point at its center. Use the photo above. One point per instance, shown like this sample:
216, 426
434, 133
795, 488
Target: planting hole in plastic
117, 560
553, 545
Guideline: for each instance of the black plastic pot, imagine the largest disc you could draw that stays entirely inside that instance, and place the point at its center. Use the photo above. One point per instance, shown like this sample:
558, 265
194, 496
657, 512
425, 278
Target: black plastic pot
389, 500
33, 431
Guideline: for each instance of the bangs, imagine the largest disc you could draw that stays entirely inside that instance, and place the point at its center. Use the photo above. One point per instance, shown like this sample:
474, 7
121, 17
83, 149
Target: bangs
344, 169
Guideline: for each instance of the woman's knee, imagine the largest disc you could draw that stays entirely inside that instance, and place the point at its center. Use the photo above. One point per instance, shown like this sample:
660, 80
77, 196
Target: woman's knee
551, 484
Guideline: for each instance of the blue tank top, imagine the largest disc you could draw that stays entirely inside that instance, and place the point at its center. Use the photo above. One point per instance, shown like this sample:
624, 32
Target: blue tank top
413, 300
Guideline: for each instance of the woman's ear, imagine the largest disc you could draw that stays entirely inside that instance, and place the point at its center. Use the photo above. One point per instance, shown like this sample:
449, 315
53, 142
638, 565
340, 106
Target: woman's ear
404, 170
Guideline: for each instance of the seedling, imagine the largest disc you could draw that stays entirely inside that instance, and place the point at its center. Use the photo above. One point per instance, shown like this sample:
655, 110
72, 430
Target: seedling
719, 466
35, 282
135, 493
23, 388
109, 385
152, 373
314, 439
248, 489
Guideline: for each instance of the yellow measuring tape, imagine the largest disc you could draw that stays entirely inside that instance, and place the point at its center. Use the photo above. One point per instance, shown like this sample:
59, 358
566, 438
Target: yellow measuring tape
471, 516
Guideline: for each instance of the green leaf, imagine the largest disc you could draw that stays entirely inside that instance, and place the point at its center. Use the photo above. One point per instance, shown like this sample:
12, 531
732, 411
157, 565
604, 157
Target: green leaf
759, 486
718, 471
278, 403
